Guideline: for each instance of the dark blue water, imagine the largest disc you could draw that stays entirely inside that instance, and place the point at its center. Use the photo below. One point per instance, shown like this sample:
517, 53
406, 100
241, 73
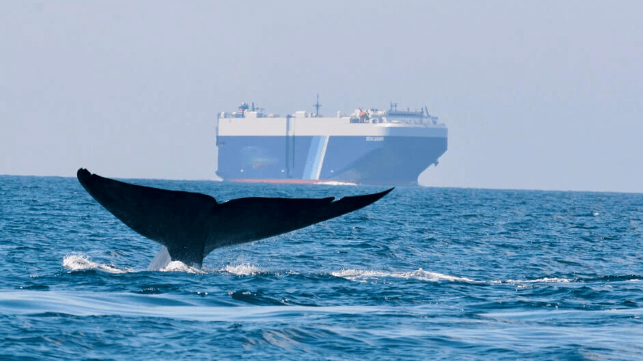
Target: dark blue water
425, 273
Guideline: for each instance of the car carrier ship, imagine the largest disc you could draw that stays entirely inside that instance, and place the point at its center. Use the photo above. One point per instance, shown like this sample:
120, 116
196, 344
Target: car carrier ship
368, 146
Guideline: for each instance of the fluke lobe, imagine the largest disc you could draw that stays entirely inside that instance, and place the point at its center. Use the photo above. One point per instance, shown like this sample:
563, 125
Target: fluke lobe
191, 225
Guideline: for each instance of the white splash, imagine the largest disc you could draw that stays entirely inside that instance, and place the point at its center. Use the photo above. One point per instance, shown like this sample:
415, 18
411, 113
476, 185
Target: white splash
241, 270
78, 262
420, 274
178, 266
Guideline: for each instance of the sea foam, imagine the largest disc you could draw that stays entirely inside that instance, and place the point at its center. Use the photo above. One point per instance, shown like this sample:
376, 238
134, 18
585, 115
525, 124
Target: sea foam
178, 266
79, 262
419, 274
241, 270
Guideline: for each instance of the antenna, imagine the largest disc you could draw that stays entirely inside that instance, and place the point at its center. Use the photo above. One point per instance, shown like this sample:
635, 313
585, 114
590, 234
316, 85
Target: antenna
317, 106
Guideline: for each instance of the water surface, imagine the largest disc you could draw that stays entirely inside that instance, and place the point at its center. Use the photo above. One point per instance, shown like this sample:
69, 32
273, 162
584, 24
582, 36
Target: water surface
424, 273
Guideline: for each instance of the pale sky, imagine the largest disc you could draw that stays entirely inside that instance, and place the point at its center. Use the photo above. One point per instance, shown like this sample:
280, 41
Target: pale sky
536, 94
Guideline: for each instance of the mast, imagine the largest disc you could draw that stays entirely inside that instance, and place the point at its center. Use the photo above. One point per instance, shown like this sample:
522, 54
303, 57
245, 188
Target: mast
317, 106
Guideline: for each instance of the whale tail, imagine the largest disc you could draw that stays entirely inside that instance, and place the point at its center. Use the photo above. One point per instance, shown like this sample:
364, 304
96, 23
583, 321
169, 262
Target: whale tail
191, 225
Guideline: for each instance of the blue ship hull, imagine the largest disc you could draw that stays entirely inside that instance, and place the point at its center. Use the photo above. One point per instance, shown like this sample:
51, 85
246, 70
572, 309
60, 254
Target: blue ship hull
357, 159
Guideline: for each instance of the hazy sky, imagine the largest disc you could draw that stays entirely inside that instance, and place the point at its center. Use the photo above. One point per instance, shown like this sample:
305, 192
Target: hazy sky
536, 95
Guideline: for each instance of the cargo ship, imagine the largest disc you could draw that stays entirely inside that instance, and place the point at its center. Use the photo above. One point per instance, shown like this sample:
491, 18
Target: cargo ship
367, 146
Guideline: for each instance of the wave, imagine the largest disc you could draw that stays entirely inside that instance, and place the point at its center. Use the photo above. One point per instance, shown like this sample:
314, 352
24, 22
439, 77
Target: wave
241, 270
419, 274
245, 269
78, 262
238, 270
422, 275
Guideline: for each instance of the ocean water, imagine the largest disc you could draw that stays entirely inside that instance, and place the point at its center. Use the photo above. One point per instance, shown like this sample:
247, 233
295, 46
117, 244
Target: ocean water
424, 273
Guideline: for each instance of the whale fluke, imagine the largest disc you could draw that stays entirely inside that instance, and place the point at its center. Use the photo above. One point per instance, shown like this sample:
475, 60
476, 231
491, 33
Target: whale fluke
191, 225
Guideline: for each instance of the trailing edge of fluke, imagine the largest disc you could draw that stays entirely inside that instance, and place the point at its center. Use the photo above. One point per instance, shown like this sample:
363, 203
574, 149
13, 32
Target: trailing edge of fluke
191, 225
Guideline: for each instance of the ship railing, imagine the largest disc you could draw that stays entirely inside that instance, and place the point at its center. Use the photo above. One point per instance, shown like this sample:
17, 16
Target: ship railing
415, 121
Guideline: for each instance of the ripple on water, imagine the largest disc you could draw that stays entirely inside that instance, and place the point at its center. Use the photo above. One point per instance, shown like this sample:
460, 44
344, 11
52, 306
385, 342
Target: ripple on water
423, 273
